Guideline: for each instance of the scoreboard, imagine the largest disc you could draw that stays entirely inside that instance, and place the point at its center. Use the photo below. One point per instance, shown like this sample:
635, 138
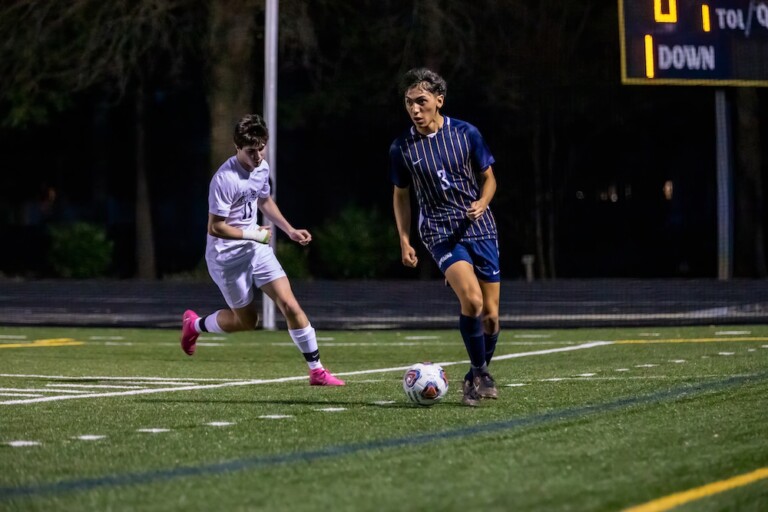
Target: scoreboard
687, 42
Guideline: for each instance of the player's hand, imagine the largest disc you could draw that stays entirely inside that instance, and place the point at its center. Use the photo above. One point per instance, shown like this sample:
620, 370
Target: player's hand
476, 210
302, 236
408, 255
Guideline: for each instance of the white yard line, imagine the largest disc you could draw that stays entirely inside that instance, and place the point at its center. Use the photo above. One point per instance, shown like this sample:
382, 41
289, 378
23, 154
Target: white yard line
231, 383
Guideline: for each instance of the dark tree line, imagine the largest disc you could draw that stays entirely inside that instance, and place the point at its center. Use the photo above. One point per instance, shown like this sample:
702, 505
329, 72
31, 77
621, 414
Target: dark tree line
540, 79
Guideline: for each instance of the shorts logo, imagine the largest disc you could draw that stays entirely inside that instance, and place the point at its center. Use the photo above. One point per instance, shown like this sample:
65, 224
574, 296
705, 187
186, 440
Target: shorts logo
442, 260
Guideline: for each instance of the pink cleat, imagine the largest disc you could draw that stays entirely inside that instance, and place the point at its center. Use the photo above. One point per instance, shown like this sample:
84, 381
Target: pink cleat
188, 333
322, 377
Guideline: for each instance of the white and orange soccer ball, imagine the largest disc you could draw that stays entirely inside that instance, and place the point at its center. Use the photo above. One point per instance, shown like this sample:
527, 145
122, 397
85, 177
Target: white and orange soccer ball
425, 383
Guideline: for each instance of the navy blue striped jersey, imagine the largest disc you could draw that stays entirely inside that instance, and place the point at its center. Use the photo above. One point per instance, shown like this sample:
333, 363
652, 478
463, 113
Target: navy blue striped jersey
442, 168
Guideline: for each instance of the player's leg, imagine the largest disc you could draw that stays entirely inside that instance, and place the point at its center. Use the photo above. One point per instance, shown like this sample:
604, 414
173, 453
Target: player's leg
236, 284
465, 285
490, 315
485, 258
301, 331
486, 386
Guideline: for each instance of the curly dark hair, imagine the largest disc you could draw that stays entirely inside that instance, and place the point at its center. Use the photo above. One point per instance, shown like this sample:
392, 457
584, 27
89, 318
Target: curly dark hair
424, 78
251, 130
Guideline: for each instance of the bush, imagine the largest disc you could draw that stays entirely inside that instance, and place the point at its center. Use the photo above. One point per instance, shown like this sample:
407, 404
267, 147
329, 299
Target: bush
80, 250
356, 244
293, 259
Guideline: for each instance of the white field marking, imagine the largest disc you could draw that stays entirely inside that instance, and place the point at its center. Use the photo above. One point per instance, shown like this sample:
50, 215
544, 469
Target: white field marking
325, 338
19, 444
219, 423
212, 338
725, 353
89, 437
370, 381
164, 383
232, 382
677, 361
418, 343
275, 416
12, 337
586, 375
751, 350
118, 343
332, 409
647, 365
553, 379
422, 337
515, 385
206, 344
649, 334
89, 386
732, 333
537, 343
94, 377
763, 346
383, 402
153, 430
46, 390
622, 369
532, 336
106, 337
20, 394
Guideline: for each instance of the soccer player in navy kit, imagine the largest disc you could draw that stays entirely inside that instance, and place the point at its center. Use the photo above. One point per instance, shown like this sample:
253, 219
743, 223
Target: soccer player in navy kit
238, 257
450, 168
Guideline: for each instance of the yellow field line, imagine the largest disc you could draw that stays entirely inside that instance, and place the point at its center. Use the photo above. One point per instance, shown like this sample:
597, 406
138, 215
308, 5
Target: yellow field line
680, 498
54, 342
687, 340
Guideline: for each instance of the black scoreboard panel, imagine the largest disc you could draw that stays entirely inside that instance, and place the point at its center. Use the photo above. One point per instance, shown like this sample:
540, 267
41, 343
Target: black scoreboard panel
687, 42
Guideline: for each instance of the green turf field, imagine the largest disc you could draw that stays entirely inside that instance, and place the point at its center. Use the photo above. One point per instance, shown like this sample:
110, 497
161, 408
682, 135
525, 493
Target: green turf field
587, 419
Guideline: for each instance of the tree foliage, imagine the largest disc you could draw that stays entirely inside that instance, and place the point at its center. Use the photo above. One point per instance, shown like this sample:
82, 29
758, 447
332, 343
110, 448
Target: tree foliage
53, 49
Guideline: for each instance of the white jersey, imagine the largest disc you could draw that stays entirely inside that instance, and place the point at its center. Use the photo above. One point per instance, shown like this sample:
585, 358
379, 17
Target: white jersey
233, 194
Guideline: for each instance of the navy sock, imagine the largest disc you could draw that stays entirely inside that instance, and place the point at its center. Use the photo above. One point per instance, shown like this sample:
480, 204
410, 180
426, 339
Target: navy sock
472, 333
490, 346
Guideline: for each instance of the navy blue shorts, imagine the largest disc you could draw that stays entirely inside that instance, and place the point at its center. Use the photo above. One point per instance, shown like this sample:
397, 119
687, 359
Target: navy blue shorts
483, 255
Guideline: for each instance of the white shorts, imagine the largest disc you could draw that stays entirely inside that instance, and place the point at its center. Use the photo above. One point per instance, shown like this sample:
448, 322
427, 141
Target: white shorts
238, 273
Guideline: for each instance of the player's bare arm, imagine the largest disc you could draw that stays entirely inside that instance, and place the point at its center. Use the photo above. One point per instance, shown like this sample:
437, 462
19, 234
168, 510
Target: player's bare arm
218, 227
269, 208
487, 191
401, 203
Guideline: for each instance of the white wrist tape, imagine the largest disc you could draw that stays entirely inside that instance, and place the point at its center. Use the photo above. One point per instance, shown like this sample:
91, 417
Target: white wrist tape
259, 235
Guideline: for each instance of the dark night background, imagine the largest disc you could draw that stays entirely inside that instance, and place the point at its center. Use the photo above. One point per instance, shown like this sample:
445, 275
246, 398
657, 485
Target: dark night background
603, 150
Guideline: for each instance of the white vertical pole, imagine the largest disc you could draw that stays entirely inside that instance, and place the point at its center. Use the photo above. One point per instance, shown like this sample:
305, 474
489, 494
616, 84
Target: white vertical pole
270, 115
724, 185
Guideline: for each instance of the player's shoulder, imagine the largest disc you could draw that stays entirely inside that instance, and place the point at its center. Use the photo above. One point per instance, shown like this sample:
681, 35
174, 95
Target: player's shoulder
403, 139
461, 125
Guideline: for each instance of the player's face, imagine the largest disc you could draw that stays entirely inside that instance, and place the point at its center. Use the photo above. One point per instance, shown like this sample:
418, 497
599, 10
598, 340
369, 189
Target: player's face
423, 108
251, 156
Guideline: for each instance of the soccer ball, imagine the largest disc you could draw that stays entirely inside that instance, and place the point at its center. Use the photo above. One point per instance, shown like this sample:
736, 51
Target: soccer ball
425, 383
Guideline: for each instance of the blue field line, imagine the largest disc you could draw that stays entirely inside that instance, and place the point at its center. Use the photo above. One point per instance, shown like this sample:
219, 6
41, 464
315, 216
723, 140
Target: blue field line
150, 477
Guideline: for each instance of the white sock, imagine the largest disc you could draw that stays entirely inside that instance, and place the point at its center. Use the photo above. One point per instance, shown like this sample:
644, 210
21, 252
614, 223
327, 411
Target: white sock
306, 341
211, 325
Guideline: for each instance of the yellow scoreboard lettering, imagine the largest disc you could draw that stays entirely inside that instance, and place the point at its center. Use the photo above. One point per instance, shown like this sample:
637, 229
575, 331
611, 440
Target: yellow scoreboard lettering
649, 73
665, 15
705, 23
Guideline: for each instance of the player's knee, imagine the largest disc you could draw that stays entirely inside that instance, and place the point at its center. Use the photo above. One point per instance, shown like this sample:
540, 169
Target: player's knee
472, 305
491, 322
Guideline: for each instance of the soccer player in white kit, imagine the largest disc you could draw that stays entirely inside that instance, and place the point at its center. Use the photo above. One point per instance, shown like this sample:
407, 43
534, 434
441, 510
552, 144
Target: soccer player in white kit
238, 255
